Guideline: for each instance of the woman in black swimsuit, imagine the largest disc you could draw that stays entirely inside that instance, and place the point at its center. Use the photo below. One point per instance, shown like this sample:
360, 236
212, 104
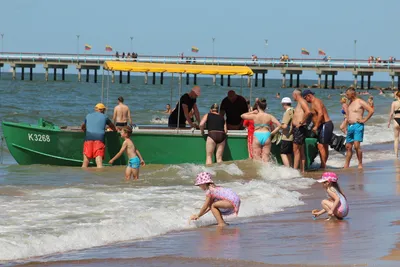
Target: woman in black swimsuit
217, 131
395, 110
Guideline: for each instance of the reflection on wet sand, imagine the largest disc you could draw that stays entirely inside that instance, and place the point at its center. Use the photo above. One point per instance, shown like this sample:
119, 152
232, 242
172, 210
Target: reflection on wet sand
394, 254
218, 240
397, 167
335, 233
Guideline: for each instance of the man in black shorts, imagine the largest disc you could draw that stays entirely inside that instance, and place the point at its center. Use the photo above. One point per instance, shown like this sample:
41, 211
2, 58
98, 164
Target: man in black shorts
301, 113
323, 126
287, 135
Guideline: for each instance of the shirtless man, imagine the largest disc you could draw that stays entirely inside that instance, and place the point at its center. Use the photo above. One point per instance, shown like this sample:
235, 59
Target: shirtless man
301, 114
122, 114
355, 126
323, 126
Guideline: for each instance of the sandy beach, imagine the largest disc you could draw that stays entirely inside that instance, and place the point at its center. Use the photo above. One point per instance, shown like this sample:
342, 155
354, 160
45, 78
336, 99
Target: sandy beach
367, 237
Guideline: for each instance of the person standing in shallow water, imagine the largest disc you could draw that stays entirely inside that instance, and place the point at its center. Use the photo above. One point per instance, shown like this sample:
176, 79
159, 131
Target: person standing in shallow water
355, 127
323, 126
395, 110
300, 116
94, 127
217, 131
122, 114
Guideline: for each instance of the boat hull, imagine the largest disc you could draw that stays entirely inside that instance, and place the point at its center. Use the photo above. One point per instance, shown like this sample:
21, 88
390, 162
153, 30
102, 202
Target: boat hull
48, 144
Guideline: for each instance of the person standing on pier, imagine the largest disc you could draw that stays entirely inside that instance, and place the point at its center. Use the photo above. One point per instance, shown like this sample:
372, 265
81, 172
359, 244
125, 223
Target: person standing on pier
94, 127
300, 116
122, 114
323, 126
355, 128
186, 103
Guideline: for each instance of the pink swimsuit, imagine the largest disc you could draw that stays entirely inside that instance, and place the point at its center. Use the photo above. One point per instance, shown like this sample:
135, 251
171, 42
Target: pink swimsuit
219, 193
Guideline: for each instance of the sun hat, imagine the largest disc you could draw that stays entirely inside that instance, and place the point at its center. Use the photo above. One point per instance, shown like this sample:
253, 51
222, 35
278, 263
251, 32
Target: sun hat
307, 92
100, 106
196, 90
328, 177
286, 100
203, 178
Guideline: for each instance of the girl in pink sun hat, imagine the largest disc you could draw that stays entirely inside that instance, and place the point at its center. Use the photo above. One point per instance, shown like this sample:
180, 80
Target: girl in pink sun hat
336, 204
221, 201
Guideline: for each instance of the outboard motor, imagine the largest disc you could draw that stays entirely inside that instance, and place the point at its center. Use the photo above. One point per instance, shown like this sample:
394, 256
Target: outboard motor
338, 143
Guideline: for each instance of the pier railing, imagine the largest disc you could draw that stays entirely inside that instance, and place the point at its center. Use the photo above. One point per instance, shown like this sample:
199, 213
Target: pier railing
39, 58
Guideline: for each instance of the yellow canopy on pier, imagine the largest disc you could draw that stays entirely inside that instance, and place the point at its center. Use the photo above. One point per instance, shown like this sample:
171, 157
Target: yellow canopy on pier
177, 68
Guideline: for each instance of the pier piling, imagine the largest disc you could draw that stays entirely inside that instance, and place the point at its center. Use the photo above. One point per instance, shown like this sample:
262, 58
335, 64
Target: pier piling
95, 75
128, 77
87, 75
55, 74
154, 78
291, 81
222, 80
187, 78
256, 80
263, 79
298, 81
79, 75
22, 73
195, 79
229, 80
161, 78
214, 79
146, 77
46, 74
283, 80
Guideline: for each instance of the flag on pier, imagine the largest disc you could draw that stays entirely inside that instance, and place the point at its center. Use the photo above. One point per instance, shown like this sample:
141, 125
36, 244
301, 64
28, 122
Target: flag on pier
108, 48
305, 52
88, 47
321, 52
195, 49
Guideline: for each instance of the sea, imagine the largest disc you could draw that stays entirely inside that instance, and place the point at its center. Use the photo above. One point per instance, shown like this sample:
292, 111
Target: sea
51, 213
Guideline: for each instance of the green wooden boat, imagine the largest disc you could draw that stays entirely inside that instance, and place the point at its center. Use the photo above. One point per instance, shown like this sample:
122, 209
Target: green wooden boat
46, 143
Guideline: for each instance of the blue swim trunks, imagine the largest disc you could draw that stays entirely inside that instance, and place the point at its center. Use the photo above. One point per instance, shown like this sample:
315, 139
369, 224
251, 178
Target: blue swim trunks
355, 132
134, 163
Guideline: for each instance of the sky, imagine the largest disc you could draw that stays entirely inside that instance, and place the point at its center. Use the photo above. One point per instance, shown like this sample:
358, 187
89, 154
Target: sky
169, 27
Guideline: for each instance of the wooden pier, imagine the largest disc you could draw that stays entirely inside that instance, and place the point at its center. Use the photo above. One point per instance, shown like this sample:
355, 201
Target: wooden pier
293, 68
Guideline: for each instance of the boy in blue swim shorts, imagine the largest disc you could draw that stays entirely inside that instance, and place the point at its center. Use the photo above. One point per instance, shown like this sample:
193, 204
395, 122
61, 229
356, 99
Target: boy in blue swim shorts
135, 159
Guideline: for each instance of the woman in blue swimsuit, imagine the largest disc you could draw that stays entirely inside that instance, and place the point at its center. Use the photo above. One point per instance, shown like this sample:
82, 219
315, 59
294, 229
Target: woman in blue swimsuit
262, 132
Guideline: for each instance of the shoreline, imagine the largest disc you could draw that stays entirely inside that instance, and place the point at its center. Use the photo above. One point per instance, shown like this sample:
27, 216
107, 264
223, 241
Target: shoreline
287, 238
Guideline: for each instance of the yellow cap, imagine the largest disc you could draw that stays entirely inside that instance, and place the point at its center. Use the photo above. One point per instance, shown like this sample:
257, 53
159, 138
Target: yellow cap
100, 106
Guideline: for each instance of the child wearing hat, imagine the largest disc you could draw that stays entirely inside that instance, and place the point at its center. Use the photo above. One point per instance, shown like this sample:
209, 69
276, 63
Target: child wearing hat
336, 204
220, 200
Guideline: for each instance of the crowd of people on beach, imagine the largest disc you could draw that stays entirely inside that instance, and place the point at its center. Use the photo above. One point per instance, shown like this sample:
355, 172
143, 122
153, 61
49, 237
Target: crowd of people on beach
309, 118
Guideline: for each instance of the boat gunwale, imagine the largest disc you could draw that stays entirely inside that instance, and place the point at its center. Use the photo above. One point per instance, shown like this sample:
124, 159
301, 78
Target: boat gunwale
159, 131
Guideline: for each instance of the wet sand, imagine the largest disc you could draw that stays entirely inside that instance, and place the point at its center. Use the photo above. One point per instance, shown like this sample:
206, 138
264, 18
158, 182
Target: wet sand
367, 237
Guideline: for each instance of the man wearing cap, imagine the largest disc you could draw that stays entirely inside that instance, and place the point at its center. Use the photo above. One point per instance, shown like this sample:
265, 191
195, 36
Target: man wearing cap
233, 106
323, 126
186, 103
301, 115
94, 127
287, 134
